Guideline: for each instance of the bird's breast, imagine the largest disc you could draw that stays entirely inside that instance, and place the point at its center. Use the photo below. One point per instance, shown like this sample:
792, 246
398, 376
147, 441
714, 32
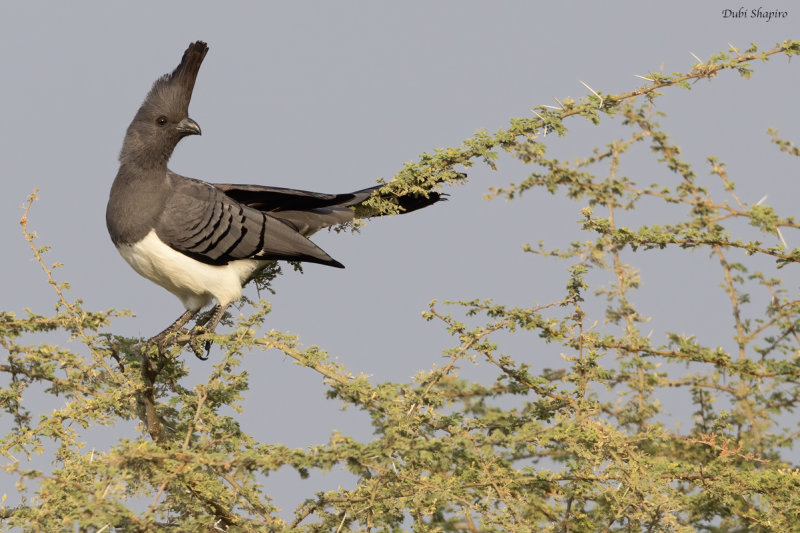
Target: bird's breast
193, 282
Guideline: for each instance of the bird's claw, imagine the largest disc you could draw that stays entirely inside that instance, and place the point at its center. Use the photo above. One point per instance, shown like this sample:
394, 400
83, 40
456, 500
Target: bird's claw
197, 346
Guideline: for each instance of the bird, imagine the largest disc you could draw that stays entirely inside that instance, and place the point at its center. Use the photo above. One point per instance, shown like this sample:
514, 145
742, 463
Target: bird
204, 241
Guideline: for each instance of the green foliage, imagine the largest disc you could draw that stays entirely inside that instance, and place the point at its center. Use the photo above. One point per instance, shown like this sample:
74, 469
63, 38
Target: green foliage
578, 448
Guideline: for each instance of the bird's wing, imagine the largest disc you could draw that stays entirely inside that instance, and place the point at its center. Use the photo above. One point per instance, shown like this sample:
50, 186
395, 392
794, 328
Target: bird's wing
202, 222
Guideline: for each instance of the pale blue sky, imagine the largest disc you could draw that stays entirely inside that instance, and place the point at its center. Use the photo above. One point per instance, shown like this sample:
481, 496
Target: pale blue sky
331, 96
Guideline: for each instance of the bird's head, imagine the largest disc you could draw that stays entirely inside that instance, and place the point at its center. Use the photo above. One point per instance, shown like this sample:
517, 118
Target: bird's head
163, 119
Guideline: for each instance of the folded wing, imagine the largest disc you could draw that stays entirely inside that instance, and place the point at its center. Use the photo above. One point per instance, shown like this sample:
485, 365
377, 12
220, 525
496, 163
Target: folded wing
203, 222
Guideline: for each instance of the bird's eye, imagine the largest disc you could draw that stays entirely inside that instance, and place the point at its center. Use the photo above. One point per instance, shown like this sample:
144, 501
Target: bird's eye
161, 120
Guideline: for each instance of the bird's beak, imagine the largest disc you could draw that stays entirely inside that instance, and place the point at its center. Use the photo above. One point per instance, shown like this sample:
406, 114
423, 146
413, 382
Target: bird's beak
188, 126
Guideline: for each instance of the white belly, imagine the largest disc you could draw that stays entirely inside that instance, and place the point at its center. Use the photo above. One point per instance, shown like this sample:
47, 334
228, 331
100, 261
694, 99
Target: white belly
195, 283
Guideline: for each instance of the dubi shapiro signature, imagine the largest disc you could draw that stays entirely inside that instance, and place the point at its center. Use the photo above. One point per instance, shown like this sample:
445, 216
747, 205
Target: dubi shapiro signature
757, 13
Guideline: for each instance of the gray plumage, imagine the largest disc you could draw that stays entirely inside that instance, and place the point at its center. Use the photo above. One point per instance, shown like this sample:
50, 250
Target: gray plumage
202, 241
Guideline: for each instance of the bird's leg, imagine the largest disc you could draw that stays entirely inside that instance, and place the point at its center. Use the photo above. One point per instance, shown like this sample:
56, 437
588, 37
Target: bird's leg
209, 327
158, 340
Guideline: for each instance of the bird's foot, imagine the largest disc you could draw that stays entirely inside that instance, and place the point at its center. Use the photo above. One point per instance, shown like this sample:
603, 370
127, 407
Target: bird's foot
160, 340
207, 329
198, 346
176, 327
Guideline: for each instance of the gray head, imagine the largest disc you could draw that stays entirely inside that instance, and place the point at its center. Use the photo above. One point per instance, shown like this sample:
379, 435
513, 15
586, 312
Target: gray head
163, 119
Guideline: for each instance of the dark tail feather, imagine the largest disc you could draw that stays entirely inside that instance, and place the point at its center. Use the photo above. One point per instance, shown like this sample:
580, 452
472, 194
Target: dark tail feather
408, 202
276, 199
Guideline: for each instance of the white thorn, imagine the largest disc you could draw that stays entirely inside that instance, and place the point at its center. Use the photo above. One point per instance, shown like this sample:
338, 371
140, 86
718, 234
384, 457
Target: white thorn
780, 235
338, 529
697, 58
551, 107
762, 200
542, 119
642, 77
559, 103
595, 93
